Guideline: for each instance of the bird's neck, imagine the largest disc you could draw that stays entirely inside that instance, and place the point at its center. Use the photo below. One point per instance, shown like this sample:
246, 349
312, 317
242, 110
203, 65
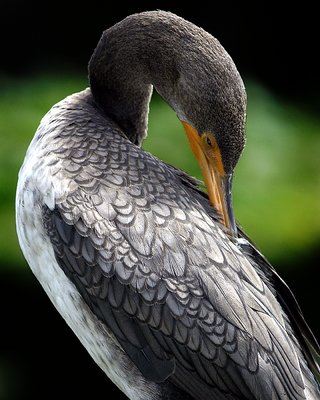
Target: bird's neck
126, 64
120, 93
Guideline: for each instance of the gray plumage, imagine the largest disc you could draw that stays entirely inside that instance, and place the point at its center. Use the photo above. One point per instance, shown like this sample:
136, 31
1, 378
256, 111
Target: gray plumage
131, 252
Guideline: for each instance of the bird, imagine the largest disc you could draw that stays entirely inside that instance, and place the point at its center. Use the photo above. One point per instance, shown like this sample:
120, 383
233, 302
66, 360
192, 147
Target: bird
152, 273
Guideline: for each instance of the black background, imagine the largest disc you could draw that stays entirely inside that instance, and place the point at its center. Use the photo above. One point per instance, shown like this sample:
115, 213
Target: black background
274, 43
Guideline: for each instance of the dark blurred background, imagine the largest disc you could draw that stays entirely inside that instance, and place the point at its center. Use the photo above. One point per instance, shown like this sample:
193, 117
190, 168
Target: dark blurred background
44, 54
271, 41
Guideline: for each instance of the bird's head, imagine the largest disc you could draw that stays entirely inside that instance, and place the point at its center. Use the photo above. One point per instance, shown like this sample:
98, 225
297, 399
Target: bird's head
210, 100
215, 127
217, 136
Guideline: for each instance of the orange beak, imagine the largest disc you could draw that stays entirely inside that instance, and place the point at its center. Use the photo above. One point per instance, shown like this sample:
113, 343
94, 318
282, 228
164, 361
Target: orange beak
218, 183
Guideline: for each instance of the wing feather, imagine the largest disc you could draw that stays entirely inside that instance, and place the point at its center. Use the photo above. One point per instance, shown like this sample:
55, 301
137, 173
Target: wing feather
145, 259
221, 339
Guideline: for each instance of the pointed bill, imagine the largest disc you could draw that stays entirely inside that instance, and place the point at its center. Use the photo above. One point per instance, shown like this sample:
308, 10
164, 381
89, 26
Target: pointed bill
218, 183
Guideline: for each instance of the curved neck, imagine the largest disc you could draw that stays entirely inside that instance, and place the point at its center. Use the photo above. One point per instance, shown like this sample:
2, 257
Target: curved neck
187, 66
126, 63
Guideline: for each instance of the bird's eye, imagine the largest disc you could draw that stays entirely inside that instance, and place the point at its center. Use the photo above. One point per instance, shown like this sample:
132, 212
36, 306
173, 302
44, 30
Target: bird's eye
208, 142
